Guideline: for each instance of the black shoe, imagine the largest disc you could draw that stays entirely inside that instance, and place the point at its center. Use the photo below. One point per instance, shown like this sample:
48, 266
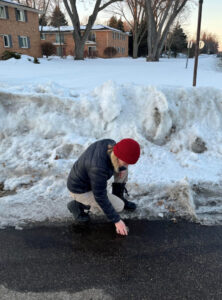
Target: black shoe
78, 211
118, 189
129, 205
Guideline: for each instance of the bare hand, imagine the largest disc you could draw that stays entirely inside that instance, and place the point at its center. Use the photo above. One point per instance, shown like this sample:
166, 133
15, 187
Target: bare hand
121, 228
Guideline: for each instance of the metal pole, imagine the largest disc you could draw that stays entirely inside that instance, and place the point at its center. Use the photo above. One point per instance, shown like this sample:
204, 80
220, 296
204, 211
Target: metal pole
188, 54
197, 43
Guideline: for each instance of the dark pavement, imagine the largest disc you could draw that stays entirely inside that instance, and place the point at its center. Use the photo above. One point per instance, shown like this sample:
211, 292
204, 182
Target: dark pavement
158, 260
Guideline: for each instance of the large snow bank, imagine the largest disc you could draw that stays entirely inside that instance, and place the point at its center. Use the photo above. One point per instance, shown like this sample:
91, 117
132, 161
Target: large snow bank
42, 135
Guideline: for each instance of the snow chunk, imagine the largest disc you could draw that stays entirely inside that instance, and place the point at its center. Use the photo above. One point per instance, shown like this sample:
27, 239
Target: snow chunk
110, 102
157, 121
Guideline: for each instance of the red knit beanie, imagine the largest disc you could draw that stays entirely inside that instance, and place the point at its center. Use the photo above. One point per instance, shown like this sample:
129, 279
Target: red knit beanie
127, 150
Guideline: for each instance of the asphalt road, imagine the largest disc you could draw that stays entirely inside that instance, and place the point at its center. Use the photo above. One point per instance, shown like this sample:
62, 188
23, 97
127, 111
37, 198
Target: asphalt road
158, 260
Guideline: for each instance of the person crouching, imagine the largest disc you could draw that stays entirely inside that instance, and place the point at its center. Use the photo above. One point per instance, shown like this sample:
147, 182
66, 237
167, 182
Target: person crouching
87, 180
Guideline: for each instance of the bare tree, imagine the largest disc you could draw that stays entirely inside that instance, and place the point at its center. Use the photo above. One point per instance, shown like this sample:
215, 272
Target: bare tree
80, 37
160, 15
133, 11
42, 5
45, 8
211, 43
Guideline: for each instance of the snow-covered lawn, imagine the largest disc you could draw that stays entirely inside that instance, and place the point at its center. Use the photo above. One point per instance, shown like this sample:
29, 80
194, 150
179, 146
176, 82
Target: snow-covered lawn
49, 113
66, 76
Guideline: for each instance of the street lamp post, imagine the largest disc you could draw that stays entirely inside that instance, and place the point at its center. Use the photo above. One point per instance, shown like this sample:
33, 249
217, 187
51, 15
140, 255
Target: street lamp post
197, 43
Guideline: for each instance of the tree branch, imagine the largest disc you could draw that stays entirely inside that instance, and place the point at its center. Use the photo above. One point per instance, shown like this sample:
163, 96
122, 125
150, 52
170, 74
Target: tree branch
108, 3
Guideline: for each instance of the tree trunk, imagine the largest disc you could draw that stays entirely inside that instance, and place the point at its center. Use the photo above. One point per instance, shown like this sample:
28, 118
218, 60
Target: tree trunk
60, 43
152, 58
135, 49
152, 34
157, 33
79, 50
135, 45
79, 38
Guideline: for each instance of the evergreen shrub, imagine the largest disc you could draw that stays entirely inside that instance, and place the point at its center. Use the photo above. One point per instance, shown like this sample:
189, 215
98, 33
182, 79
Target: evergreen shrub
48, 49
10, 54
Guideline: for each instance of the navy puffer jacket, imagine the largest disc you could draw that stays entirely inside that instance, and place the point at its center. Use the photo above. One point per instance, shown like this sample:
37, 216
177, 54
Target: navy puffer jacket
91, 172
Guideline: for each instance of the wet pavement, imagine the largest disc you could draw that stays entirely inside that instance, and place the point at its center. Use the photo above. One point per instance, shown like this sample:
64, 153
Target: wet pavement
158, 260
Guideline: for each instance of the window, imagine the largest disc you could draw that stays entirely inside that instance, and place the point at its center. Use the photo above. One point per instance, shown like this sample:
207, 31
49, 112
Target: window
20, 15
2, 12
115, 35
42, 36
59, 38
7, 41
24, 42
123, 50
92, 37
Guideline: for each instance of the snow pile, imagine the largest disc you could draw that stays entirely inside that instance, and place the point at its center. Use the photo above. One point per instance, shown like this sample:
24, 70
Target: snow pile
166, 201
180, 132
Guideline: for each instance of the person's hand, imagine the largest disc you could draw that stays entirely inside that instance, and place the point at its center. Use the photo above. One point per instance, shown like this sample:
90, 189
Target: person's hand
121, 228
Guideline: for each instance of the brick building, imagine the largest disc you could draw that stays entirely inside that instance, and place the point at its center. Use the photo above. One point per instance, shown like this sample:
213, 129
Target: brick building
99, 39
19, 29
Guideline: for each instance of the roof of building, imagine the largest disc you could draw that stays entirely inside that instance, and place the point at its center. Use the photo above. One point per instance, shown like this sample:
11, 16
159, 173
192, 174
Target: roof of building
82, 27
16, 4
